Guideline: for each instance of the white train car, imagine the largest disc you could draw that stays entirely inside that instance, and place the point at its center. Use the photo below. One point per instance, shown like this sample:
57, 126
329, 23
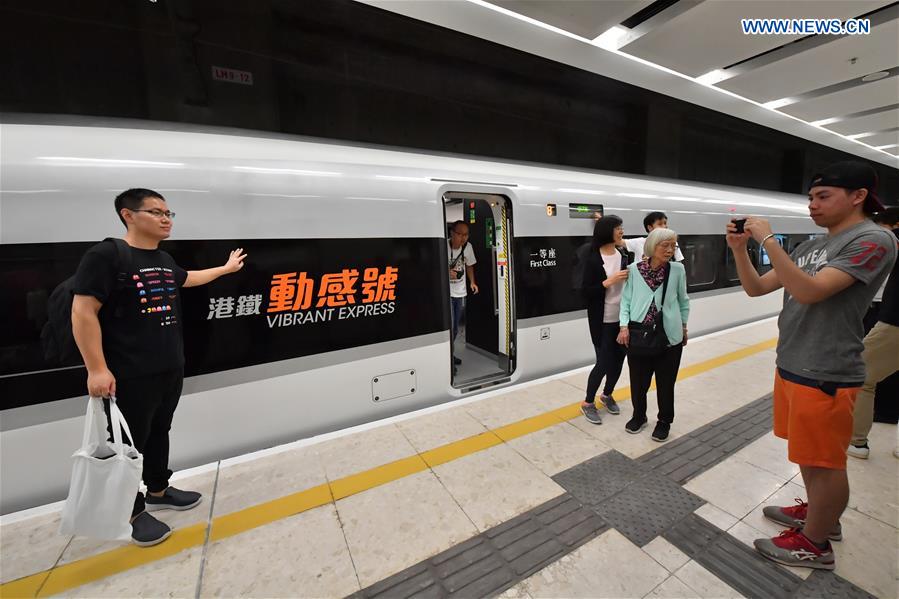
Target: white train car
342, 313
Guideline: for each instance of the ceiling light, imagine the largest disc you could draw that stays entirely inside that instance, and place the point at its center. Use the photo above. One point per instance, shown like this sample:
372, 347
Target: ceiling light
861, 135
596, 42
825, 122
682, 199
636, 195
611, 39
775, 104
713, 77
875, 76
886, 147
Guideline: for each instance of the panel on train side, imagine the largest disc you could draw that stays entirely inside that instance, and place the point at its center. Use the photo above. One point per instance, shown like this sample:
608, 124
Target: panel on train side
294, 298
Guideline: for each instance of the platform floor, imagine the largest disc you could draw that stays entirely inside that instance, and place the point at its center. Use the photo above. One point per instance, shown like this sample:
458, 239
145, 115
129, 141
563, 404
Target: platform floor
514, 492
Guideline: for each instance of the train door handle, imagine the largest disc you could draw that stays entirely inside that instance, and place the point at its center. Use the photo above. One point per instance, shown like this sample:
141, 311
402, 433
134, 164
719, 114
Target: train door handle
495, 286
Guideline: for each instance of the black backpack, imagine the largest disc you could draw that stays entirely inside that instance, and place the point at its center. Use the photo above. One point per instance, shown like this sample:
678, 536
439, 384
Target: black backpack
57, 340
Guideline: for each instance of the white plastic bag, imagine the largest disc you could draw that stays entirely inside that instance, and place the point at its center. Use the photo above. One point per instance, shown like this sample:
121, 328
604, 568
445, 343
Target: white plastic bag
105, 478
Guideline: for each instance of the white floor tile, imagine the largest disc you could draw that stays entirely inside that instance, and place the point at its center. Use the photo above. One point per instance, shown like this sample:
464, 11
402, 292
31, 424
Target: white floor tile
495, 485
672, 588
706, 584
716, 516
174, 576
607, 566
769, 453
303, 555
433, 430
30, 546
267, 478
735, 486
362, 451
670, 557
867, 554
396, 525
557, 448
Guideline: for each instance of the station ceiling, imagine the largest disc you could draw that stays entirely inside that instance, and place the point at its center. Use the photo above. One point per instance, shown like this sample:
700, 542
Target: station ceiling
841, 91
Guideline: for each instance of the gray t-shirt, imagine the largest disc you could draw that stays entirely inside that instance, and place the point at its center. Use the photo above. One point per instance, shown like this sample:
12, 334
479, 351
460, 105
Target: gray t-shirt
823, 341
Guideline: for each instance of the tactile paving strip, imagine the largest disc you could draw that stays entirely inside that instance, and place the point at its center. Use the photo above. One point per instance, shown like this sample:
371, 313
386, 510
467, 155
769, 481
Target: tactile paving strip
648, 507
730, 560
499, 558
597, 479
686, 457
641, 499
828, 585
638, 503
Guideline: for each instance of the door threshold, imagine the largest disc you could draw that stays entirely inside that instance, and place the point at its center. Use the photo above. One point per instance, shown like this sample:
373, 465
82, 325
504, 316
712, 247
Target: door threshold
489, 380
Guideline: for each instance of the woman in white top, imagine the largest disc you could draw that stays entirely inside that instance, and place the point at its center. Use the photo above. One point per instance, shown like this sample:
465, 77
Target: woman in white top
604, 277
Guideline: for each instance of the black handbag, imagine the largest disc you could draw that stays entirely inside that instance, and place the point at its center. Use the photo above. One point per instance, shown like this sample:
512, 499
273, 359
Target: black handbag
650, 340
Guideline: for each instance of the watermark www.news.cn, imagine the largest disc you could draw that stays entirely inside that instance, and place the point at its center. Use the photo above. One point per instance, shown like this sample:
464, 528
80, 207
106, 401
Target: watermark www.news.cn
805, 26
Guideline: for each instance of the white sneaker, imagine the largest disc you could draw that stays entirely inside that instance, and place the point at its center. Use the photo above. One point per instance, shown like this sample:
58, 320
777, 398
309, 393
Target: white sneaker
859, 451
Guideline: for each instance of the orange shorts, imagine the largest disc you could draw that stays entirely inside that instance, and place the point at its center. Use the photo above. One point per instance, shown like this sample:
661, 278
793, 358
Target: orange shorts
816, 424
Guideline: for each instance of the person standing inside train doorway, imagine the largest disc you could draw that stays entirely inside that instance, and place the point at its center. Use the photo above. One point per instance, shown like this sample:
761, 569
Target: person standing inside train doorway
461, 275
828, 284
127, 324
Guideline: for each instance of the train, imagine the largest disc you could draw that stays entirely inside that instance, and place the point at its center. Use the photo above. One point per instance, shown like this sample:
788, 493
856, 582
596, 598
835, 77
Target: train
342, 314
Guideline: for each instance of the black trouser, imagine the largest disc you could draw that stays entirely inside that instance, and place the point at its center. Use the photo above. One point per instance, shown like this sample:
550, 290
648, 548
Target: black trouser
609, 361
665, 366
148, 404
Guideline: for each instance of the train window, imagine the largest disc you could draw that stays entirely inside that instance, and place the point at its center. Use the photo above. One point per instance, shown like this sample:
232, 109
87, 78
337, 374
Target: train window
701, 258
793, 241
764, 261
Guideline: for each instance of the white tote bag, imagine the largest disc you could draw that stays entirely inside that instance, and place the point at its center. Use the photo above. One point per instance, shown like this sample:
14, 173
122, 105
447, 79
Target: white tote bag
105, 478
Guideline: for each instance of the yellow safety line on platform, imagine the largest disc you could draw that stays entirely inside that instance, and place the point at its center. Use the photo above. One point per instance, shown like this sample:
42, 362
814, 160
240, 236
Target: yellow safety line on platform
103, 565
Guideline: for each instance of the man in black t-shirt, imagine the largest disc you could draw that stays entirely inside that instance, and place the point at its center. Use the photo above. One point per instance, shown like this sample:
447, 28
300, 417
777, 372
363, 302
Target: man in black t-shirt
126, 319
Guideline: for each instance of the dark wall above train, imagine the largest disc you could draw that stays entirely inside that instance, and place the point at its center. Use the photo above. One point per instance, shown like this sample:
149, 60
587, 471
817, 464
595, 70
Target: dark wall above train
343, 70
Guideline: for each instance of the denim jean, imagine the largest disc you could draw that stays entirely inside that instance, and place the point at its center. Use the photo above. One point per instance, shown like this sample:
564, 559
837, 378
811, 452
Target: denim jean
457, 307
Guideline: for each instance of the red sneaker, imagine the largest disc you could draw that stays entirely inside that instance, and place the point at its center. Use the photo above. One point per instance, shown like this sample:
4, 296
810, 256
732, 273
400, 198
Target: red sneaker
794, 517
792, 548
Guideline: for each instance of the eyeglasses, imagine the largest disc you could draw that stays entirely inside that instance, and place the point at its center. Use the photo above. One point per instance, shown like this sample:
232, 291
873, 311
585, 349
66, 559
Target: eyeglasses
155, 212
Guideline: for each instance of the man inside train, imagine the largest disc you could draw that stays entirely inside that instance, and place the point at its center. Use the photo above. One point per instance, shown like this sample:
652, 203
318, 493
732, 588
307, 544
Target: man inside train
828, 283
461, 275
653, 220
126, 320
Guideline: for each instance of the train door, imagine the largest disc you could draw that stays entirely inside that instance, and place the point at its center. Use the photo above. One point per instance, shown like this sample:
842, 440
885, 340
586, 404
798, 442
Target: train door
479, 242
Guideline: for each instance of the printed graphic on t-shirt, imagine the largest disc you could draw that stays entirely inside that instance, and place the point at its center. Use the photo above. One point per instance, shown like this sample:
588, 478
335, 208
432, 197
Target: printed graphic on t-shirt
157, 292
813, 261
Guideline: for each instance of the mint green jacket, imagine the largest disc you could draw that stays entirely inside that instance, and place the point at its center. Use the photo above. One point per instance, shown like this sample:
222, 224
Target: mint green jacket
637, 297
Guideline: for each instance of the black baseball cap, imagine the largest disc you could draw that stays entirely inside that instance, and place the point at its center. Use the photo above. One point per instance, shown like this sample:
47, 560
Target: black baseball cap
851, 174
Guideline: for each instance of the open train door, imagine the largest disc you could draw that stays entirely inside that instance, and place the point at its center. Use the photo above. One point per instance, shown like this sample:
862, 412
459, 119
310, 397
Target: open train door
483, 351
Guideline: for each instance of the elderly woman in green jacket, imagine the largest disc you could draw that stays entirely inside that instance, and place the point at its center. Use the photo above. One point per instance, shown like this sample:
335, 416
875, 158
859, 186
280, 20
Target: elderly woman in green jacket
654, 329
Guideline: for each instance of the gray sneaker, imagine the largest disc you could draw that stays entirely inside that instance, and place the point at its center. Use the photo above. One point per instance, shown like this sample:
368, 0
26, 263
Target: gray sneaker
794, 517
610, 404
147, 531
792, 548
591, 413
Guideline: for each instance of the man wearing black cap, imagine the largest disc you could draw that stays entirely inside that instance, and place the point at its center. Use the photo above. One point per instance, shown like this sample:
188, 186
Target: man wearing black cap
828, 285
